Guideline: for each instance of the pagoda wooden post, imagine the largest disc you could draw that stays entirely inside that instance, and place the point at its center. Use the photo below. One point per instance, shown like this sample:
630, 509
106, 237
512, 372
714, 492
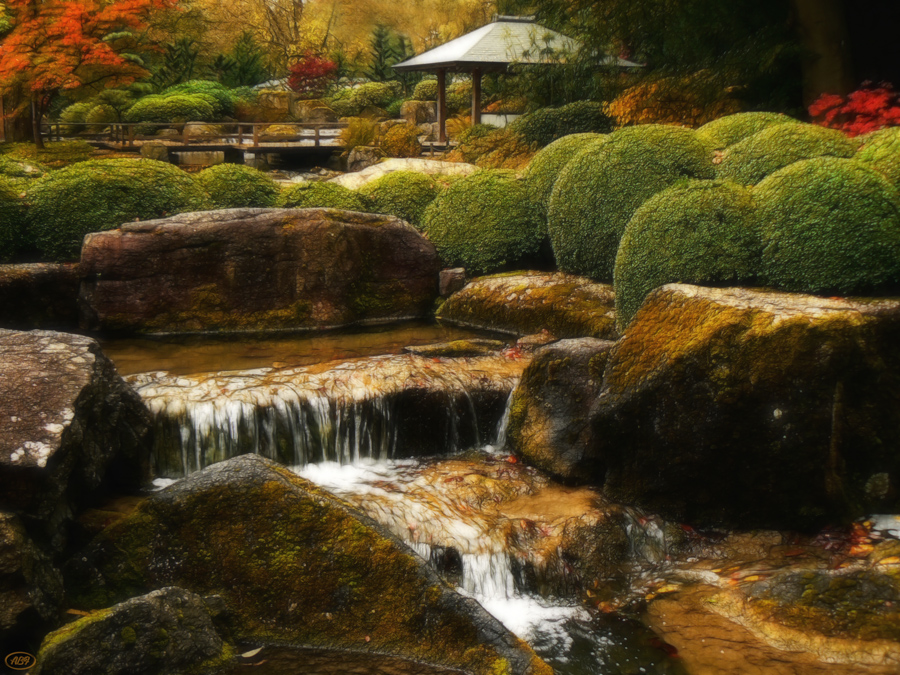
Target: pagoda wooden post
442, 105
476, 97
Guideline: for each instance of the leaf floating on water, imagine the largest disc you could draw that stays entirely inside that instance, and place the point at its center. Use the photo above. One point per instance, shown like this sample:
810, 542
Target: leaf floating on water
251, 653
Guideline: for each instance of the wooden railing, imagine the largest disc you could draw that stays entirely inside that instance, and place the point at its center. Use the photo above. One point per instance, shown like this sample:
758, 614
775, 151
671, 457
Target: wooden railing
236, 133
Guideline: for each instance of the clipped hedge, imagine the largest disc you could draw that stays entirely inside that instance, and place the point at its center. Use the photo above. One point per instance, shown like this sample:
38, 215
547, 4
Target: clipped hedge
401, 140
484, 222
459, 97
829, 225
322, 195
76, 114
598, 192
223, 97
176, 109
696, 232
103, 194
548, 163
774, 148
425, 90
881, 151
732, 129
475, 132
237, 186
405, 194
547, 124
12, 220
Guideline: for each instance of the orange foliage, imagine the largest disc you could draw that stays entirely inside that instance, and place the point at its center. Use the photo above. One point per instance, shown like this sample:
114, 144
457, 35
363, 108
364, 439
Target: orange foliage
690, 101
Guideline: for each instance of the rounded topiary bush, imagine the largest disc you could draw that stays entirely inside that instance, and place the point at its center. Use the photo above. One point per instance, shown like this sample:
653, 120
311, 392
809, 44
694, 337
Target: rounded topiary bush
598, 192
223, 97
102, 194
881, 151
401, 140
484, 222
829, 225
237, 186
696, 232
732, 129
177, 109
774, 148
322, 195
101, 116
375, 94
12, 220
426, 90
547, 164
547, 124
75, 115
405, 194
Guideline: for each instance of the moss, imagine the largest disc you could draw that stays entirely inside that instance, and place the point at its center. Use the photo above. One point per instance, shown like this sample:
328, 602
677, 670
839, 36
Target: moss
600, 189
881, 151
547, 164
401, 140
54, 155
405, 194
698, 232
544, 126
128, 635
829, 225
379, 299
12, 220
236, 186
103, 194
774, 148
321, 195
731, 129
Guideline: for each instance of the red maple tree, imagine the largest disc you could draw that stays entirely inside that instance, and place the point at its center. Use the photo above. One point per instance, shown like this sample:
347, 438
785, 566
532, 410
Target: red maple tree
867, 109
311, 75
60, 45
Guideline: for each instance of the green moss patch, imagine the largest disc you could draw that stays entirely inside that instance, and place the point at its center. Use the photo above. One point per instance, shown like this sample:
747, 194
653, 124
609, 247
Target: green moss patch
405, 194
732, 129
881, 151
321, 195
12, 220
234, 186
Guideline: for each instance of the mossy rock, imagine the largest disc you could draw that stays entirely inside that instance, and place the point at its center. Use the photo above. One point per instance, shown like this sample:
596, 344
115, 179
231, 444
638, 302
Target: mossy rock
12, 220
774, 148
881, 151
697, 232
829, 226
484, 222
600, 189
405, 194
101, 195
296, 565
235, 186
732, 129
321, 195
546, 165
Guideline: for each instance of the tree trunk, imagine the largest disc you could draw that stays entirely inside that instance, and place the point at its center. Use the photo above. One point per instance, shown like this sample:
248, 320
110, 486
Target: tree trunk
827, 66
36, 116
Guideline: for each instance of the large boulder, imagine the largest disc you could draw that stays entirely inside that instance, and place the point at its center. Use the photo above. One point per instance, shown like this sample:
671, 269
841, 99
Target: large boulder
356, 180
293, 564
549, 417
252, 269
70, 425
167, 631
524, 303
753, 408
39, 295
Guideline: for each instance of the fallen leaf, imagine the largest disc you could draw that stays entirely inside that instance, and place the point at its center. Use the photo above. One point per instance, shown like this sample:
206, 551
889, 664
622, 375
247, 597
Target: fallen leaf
251, 653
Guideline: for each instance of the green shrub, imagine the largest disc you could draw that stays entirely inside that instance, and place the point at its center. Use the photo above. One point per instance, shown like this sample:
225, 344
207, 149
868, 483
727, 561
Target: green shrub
17, 168
405, 194
224, 98
881, 151
549, 162
322, 195
459, 97
598, 192
401, 140
75, 114
12, 220
175, 109
393, 109
547, 124
484, 222
475, 132
425, 90
829, 225
101, 116
236, 186
695, 232
374, 94
101, 195
764, 153
500, 149
732, 129
358, 132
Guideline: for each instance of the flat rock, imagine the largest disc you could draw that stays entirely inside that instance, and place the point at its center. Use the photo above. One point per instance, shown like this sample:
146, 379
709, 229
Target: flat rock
357, 179
754, 408
523, 303
458, 348
256, 269
166, 631
70, 424
296, 565
39, 295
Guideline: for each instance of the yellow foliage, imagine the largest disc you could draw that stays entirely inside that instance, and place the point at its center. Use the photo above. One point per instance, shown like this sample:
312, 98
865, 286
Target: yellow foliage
359, 131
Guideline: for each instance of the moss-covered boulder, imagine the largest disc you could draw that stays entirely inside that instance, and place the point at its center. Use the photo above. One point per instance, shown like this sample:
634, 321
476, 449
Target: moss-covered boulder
484, 222
601, 188
829, 226
881, 151
39, 295
525, 303
102, 194
732, 129
232, 186
169, 630
697, 232
321, 195
549, 419
547, 164
754, 408
252, 269
774, 148
294, 565
405, 194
